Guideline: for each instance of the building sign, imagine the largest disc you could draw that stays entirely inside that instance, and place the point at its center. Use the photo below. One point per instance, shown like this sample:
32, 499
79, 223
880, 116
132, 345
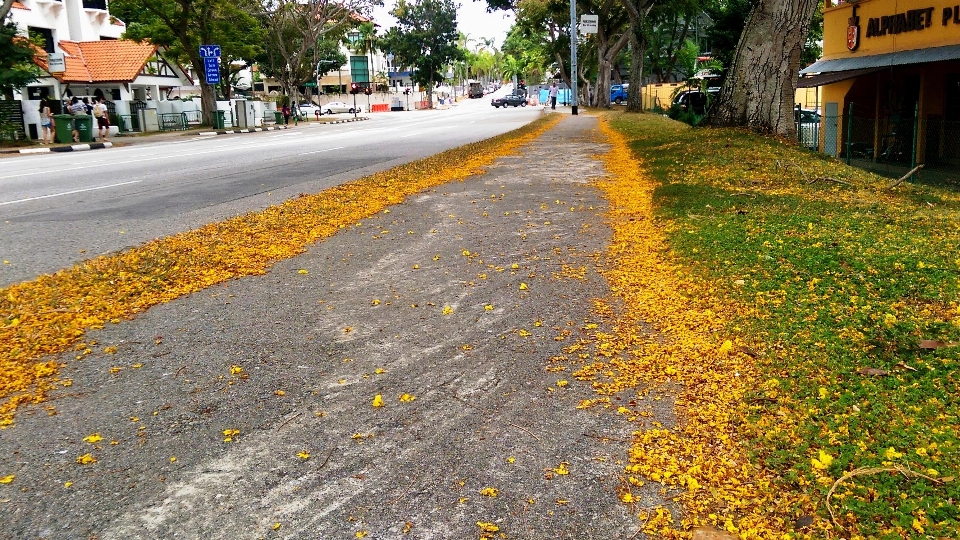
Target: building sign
898, 23
211, 68
853, 31
589, 24
209, 51
56, 63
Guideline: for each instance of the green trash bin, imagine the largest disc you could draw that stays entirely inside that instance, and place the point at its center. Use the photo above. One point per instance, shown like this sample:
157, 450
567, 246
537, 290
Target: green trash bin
278, 115
218, 119
85, 127
63, 128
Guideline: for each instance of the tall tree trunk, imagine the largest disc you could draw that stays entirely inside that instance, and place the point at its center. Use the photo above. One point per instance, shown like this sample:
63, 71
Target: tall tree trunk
638, 53
208, 94
4, 9
606, 53
638, 11
760, 87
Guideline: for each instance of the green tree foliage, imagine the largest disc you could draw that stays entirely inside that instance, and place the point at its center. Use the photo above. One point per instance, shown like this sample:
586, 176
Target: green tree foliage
181, 26
329, 56
669, 31
299, 33
17, 68
425, 38
812, 49
542, 30
729, 17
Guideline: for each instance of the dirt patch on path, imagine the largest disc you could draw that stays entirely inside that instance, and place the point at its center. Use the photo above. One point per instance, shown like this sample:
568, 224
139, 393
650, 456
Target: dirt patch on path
462, 297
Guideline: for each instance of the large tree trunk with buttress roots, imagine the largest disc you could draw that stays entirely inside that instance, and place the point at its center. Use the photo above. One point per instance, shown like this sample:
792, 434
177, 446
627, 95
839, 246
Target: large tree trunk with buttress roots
760, 86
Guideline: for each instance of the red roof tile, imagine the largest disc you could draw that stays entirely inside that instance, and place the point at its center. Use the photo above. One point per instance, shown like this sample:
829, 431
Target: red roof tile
113, 60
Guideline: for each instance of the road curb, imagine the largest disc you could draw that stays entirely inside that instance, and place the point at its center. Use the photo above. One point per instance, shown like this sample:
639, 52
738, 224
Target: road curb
248, 130
71, 148
345, 120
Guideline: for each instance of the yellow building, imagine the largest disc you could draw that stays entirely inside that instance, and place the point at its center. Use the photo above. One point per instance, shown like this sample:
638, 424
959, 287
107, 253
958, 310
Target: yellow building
895, 64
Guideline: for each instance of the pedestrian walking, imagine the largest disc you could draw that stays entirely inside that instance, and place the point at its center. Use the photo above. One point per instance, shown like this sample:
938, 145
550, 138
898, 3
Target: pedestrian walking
286, 115
46, 122
102, 114
76, 109
87, 105
553, 95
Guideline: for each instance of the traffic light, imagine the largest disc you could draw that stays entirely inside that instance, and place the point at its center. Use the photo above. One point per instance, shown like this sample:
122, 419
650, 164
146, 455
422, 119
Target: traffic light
354, 88
367, 90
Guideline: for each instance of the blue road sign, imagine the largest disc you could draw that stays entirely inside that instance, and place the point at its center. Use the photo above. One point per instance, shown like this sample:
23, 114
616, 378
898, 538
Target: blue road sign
211, 68
209, 51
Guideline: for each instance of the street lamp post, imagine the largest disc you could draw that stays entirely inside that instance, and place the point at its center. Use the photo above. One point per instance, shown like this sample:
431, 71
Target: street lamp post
573, 56
319, 111
389, 58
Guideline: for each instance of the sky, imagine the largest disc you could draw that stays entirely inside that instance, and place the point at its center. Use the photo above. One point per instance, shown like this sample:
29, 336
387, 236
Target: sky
472, 19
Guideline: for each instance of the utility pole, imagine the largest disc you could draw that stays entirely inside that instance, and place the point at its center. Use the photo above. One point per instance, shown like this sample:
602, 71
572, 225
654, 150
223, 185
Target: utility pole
573, 56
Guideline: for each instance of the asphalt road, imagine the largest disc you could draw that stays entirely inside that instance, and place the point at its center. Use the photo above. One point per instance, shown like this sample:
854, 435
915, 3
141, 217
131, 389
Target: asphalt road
58, 209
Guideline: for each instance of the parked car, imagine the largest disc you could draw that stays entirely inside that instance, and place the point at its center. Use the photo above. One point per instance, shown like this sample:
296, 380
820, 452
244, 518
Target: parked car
309, 110
619, 92
808, 128
335, 107
695, 100
508, 100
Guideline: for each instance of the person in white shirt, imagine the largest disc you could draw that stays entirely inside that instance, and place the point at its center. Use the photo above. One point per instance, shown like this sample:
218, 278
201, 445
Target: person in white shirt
553, 95
102, 114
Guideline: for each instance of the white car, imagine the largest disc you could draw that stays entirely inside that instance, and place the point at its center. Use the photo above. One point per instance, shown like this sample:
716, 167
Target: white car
339, 107
308, 110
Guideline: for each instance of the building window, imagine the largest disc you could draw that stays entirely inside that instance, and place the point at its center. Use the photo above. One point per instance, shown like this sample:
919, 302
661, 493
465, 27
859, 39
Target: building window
359, 69
45, 34
95, 4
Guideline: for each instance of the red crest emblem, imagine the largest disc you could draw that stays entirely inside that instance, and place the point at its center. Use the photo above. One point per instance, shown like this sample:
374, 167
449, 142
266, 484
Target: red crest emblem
853, 30
853, 37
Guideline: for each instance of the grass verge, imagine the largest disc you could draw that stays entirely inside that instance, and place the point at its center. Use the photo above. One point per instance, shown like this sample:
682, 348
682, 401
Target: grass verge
809, 318
50, 314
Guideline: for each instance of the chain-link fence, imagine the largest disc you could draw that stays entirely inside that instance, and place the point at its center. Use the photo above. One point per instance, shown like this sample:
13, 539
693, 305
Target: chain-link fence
889, 145
941, 145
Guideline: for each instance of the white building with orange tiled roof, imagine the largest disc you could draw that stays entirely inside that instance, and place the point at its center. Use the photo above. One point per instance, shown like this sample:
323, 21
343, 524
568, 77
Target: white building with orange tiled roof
96, 63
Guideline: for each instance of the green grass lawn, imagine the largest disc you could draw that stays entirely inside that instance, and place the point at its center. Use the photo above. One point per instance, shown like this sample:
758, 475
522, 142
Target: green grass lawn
851, 294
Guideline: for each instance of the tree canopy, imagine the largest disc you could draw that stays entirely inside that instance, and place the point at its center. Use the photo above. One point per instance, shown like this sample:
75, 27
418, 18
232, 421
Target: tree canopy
299, 35
181, 26
425, 38
17, 68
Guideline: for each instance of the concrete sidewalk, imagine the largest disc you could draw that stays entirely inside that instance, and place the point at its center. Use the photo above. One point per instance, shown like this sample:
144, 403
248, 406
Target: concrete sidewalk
472, 298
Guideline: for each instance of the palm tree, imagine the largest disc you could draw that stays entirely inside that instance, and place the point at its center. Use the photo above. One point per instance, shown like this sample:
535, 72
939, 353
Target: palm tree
487, 44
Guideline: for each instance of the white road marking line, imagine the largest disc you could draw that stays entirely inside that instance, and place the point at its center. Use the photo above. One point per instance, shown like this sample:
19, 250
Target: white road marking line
28, 199
410, 135
319, 151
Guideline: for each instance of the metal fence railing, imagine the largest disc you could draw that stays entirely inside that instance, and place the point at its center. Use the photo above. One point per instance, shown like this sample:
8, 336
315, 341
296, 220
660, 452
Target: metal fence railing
173, 121
193, 118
